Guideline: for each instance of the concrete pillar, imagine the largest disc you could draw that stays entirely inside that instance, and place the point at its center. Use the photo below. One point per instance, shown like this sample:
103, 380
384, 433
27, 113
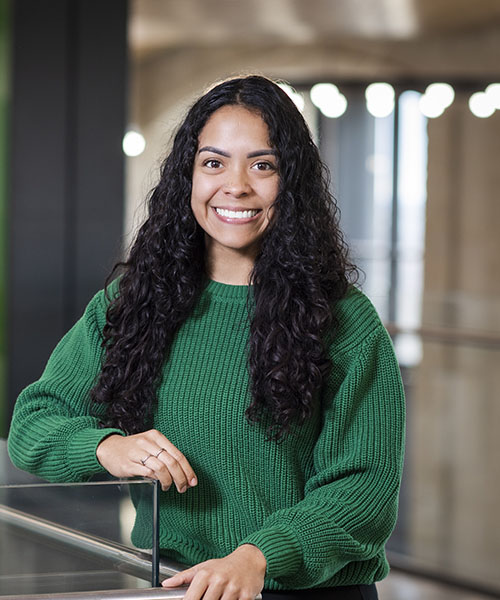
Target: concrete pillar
455, 488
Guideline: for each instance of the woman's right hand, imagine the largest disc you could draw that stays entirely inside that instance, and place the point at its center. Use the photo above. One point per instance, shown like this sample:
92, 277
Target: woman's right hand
147, 454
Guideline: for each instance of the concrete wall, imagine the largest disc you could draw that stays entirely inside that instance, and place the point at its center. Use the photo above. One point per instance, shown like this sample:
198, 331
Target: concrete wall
455, 410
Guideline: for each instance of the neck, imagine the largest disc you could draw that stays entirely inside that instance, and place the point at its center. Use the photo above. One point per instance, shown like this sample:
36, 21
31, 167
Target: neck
231, 267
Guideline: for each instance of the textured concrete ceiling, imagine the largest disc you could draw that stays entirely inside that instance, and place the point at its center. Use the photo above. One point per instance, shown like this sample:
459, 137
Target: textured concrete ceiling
179, 46
160, 26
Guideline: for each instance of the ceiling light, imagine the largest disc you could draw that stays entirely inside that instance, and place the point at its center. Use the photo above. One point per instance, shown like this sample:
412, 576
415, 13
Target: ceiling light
441, 92
335, 108
328, 99
133, 143
481, 105
322, 93
493, 93
380, 99
431, 106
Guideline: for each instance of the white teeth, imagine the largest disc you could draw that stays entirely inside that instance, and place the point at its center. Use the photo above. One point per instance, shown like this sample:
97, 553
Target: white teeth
232, 214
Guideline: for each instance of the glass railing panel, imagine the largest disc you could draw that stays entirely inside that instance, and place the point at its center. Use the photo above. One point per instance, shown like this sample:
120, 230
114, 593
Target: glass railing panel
73, 537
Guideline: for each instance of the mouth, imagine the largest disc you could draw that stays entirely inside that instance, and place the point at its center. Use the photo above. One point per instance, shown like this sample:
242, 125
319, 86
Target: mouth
236, 214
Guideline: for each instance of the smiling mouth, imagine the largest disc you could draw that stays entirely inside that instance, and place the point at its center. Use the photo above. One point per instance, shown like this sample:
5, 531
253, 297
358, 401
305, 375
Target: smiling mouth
237, 214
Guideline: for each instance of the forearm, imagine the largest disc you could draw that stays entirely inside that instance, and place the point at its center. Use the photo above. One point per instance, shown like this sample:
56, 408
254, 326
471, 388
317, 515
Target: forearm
56, 447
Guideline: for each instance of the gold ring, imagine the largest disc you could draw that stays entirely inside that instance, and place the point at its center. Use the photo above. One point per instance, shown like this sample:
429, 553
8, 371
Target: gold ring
143, 460
162, 450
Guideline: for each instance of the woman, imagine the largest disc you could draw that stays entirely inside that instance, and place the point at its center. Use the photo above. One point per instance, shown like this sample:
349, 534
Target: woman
234, 359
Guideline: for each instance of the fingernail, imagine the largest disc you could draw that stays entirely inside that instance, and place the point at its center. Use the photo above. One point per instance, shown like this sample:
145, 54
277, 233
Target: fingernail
193, 481
183, 489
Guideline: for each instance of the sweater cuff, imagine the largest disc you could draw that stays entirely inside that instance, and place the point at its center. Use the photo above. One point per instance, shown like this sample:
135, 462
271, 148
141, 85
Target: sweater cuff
82, 451
280, 548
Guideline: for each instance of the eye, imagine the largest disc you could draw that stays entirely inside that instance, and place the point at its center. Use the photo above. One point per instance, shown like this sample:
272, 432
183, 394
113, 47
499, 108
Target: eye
212, 163
264, 166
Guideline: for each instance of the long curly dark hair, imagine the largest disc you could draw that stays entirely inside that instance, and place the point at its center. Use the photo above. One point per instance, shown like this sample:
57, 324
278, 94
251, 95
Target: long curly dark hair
301, 270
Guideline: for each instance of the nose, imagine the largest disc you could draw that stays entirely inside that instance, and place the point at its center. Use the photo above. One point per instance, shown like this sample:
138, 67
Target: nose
237, 183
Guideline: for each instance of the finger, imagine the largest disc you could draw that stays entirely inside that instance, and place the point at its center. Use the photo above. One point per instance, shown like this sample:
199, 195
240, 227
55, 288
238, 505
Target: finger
197, 588
165, 443
160, 472
140, 456
189, 473
182, 578
215, 588
142, 471
175, 470
144, 448
232, 593
131, 468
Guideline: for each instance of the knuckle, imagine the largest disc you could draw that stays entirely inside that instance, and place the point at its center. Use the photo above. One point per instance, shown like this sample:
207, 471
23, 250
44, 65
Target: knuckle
170, 459
218, 578
232, 588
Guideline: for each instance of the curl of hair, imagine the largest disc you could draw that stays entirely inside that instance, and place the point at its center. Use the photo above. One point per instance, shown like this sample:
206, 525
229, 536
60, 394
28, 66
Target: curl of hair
301, 270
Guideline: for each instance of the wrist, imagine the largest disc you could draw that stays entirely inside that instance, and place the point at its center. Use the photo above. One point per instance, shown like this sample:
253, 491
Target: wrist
102, 447
254, 554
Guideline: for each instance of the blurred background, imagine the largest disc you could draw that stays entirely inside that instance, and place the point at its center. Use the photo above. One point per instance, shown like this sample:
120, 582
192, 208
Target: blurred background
90, 93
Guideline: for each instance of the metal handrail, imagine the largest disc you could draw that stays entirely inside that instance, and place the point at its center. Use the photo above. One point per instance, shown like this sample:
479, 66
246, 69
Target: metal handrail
448, 335
420, 568
127, 560
141, 594
122, 558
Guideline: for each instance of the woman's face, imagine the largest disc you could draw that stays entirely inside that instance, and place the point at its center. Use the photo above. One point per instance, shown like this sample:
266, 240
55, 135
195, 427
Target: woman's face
235, 181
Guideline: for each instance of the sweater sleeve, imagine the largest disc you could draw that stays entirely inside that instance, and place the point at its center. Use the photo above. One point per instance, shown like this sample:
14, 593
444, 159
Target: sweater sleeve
54, 433
350, 503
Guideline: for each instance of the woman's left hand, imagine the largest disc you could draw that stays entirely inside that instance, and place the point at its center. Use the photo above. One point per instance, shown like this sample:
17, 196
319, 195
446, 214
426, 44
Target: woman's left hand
237, 576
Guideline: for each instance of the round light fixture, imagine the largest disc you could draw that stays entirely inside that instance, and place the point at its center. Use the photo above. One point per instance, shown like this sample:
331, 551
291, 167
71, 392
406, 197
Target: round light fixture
441, 93
431, 106
133, 143
481, 105
493, 93
328, 99
380, 99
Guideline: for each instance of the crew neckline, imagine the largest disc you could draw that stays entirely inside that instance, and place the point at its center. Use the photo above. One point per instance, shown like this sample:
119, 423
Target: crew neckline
227, 290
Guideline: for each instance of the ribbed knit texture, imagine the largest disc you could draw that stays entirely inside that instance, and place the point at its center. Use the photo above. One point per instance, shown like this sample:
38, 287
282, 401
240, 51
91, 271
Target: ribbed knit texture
320, 505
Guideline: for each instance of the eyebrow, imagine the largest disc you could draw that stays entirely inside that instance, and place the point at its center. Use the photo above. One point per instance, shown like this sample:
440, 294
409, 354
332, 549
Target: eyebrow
253, 154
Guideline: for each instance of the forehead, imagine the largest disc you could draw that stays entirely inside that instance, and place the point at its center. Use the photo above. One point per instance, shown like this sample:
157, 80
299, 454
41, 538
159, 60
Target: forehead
235, 125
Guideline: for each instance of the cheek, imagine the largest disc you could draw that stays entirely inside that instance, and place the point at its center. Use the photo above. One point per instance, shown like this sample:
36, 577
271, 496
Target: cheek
201, 191
272, 194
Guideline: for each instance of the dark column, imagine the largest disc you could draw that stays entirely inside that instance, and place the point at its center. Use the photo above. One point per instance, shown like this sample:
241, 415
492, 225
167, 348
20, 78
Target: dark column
66, 200
346, 145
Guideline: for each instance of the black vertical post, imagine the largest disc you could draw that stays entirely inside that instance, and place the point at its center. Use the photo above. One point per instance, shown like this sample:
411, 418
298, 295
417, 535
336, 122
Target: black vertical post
155, 550
66, 200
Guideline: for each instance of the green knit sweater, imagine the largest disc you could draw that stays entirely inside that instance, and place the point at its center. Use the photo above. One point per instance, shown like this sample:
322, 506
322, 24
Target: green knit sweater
319, 505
